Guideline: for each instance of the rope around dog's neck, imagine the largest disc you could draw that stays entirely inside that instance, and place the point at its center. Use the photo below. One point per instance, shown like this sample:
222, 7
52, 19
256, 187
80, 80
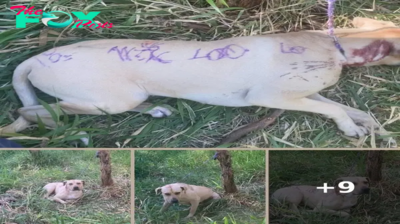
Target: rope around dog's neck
331, 25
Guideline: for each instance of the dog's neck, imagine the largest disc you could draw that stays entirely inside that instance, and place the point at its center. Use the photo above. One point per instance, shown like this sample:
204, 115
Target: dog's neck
370, 48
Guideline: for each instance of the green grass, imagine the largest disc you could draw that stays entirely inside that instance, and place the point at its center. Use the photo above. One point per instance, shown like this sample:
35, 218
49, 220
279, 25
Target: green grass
22, 177
157, 168
314, 168
374, 89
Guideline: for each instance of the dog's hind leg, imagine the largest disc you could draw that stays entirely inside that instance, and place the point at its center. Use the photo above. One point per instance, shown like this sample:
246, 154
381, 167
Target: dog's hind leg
50, 189
18, 125
31, 113
338, 114
154, 111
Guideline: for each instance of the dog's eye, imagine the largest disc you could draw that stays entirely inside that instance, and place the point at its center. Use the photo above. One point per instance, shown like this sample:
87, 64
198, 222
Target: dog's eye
78, 183
365, 182
177, 193
70, 184
167, 194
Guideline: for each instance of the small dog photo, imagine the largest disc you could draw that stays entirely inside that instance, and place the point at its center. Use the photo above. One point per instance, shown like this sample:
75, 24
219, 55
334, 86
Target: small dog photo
200, 186
64, 186
333, 187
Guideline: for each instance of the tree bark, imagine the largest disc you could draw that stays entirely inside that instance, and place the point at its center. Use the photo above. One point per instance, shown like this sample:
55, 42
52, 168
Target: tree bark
105, 166
225, 162
374, 165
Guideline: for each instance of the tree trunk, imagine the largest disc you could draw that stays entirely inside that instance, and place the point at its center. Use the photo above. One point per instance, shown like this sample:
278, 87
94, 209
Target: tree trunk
374, 165
225, 162
105, 166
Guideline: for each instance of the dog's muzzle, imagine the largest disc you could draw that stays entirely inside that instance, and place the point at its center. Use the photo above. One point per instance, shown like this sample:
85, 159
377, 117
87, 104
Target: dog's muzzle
76, 189
174, 200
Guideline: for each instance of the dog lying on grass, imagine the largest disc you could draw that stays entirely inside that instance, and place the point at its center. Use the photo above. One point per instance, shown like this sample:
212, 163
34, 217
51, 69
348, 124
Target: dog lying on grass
185, 194
332, 202
284, 71
65, 191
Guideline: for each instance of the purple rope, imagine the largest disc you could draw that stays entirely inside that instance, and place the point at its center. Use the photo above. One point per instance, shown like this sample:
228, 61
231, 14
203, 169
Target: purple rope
331, 25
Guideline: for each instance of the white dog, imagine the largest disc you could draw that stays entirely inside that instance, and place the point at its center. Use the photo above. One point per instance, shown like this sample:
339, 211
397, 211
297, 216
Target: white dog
185, 194
284, 71
332, 202
65, 191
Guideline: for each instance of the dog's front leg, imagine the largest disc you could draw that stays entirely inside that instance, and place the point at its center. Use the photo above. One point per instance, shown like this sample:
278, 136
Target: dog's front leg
59, 200
358, 116
338, 114
330, 211
193, 209
165, 207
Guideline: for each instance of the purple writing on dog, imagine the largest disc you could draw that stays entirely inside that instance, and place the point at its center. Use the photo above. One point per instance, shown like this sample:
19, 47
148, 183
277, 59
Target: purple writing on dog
147, 52
231, 51
292, 50
55, 57
41, 62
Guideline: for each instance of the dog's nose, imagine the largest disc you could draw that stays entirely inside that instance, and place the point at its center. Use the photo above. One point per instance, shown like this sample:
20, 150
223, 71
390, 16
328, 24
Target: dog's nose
75, 189
174, 200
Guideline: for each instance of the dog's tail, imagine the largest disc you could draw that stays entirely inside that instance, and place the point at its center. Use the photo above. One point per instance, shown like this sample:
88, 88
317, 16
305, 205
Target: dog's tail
26, 94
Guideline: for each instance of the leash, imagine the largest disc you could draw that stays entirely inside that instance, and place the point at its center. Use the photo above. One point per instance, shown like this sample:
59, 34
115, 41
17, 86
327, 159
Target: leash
331, 26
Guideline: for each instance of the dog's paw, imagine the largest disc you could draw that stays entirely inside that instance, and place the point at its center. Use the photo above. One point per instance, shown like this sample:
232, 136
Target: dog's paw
363, 119
159, 112
351, 129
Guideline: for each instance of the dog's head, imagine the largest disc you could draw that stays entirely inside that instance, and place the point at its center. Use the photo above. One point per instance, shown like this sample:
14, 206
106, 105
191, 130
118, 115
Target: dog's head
361, 185
74, 185
371, 42
173, 192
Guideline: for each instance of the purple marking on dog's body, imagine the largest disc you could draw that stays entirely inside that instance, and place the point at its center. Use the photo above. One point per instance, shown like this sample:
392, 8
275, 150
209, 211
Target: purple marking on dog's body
41, 62
55, 57
293, 50
124, 53
231, 51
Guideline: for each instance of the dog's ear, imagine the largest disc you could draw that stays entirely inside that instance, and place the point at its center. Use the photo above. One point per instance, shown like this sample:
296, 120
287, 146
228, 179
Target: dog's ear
371, 24
83, 183
184, 188
64, 183
336, 185
158, 188
368, 180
